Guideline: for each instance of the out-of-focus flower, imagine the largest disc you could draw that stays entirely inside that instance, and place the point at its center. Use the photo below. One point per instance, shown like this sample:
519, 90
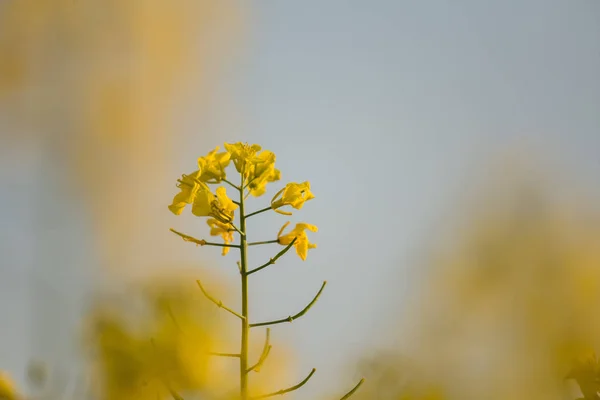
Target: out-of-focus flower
162, 347
8, 390
299, 233
293, 194
511, 295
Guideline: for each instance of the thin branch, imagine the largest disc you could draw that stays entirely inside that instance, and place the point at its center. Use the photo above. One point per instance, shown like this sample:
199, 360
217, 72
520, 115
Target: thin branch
272, 260
200, 242
292, 318
218, 302
264, 354
290, 389
263, 242
231, 184
225, 354
237, 229
220, 244
259, 211
249, 182
188, 238
354, 389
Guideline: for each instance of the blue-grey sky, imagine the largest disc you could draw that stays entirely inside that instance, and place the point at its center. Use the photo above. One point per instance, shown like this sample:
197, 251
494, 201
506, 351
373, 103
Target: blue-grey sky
387, 108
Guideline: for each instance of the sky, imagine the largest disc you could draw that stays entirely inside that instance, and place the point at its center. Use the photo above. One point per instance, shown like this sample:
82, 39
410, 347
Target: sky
391, 109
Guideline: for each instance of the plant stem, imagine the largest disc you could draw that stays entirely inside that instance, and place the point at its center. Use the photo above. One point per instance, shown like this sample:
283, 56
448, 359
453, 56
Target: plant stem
244, 276
263, 242
262, 210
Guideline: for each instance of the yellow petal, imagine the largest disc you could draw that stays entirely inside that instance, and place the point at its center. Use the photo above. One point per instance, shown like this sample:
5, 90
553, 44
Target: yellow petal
225, 203
203, 201
212, 166
188, 187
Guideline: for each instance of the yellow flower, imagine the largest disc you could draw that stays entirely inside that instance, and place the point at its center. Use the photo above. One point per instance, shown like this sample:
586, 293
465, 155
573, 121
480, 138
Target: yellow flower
212, 166
242, 155
301, 244
7, 387
224, 230
262, 172
293, 194
206, 204
189, 186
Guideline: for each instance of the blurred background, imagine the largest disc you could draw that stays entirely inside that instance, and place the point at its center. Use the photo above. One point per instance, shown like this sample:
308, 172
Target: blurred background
452, 148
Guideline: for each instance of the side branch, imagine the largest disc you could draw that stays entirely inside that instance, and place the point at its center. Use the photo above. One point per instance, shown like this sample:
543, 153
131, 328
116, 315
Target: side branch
263, 355
272, 260
218, 302
188, 238
354, 389
233, 185
224, 354
263, 242
290, 389
200, 242
292, 318
262, 210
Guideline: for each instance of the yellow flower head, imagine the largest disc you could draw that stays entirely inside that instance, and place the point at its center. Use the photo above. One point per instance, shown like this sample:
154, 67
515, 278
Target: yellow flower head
262, 171
220, 207
299, 233
242, 155
218, 228
189, 186
212, 166
7, 387
293, 194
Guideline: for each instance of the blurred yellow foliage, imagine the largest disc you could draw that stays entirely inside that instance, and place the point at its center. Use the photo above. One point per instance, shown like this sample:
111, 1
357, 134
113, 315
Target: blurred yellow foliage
94, 85
156, 337
509, 299
8, 390
159, 335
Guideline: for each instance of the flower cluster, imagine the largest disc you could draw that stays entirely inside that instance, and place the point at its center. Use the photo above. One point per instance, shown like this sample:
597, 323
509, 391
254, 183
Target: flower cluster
256, 169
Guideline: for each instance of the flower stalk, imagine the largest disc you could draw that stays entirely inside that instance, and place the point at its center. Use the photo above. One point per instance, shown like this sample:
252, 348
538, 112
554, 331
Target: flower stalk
256, 170
244, 278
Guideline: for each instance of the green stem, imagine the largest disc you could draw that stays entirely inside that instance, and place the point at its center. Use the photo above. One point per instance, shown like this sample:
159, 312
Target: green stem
290, 389
259, 211
218, 303
272, 260
238, 230
218, 244
354, 389
263, 242
225, 354
244, 277
231, 184
264, 354
293, 317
